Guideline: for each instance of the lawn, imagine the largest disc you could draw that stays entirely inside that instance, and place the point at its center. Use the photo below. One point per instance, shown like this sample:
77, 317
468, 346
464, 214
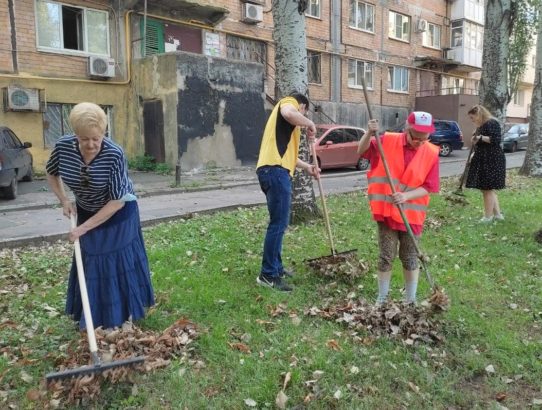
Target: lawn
251, 340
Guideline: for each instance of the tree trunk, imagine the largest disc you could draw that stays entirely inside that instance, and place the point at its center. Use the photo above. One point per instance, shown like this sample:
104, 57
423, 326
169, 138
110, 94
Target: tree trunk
494, 93
532, 165
291, 75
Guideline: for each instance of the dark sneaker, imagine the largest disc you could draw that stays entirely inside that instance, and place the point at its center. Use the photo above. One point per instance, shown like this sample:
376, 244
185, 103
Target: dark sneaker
287, 273
276, 283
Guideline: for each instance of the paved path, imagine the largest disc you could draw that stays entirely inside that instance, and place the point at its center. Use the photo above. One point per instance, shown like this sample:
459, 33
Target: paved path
33, 219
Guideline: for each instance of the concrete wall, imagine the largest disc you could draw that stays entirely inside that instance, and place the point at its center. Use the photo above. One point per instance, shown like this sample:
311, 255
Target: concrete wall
155, 78
451, 107
220, 111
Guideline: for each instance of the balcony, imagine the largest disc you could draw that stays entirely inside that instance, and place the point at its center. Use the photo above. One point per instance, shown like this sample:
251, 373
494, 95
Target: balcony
472, 10
468, 59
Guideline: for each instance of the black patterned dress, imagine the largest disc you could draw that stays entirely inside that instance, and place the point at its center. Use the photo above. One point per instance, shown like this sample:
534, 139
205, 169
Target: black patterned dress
488, 165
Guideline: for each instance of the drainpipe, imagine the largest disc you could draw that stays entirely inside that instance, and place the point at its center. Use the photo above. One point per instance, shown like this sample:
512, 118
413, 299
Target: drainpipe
13, 37
335, 32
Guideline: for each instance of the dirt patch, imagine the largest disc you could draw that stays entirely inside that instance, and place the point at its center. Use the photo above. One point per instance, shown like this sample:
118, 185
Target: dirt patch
538, 236
126, 342
456, 198
412, 324
345, 267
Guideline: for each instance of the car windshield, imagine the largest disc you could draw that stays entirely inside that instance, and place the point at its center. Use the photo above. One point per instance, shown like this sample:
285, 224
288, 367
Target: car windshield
514, 129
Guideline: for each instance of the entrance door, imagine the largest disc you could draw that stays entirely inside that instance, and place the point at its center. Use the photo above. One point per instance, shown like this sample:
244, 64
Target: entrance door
153, 129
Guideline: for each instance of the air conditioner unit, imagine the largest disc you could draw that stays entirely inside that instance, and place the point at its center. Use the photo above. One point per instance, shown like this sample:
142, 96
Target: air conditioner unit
252, 13
422, 25
102, 67
22, 99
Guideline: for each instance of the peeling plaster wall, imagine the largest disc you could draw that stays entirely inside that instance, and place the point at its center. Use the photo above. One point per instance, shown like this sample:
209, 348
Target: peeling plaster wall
220, 112
154, 78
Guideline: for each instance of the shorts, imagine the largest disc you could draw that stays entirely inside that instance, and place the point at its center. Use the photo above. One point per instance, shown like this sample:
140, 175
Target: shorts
388, 241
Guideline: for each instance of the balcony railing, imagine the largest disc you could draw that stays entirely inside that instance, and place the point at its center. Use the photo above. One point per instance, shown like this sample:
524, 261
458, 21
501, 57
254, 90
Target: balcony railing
447, 91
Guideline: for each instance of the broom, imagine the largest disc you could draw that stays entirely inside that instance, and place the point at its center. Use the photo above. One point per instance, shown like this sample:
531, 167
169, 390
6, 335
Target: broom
97, 365
438, 298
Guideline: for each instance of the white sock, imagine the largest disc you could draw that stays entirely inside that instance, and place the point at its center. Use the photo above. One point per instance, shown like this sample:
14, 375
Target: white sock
410, 291
384, 279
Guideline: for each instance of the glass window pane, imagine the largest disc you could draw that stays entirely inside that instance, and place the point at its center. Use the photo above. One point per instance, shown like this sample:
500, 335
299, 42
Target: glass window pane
48, 24
390, 78
97, 33
52, 124
353, 6
362, 16
360, 70
370, 18
351, 72
369, 75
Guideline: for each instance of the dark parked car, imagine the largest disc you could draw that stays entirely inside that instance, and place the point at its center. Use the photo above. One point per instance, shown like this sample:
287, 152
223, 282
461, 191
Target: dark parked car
447, 136
515, 137
15, 162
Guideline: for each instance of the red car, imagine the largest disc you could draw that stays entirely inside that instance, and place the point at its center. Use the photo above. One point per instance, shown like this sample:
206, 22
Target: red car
336, 146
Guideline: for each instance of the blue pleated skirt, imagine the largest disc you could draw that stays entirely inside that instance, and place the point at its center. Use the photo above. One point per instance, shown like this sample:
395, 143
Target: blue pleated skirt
116, 270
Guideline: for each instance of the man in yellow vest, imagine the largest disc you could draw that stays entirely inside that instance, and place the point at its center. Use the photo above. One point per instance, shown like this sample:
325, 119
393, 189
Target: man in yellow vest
414, 168
276, 164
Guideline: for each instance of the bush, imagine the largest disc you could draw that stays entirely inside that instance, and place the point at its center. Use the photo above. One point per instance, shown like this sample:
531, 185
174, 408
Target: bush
142, 163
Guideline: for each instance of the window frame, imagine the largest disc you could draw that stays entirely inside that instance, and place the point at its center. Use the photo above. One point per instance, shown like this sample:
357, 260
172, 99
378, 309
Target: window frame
352, 20
64, 121
365, 65
310, 3
393, 26
390, 80
519, 98
70, 51
309, 70
425, 37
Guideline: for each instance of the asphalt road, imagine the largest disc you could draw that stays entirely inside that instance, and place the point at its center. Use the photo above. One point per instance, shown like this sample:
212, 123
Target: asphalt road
27, 226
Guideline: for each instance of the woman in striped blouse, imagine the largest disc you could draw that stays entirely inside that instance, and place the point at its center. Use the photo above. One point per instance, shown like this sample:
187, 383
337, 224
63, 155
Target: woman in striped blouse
117, 270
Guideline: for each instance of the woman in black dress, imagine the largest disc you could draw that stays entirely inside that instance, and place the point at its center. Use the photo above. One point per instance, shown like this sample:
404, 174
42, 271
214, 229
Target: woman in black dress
487, 170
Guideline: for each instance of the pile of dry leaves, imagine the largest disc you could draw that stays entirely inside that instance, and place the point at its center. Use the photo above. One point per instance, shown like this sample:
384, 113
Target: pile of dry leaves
342, 267
412, 324
126, 342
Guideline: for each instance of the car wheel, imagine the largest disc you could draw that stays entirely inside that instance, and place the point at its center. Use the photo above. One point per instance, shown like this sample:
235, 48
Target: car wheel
29, 175
445, 149
362, 164
514, 147
10, 192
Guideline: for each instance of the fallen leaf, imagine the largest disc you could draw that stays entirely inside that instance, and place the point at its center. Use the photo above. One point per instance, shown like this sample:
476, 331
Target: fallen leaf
26, 377
500, 396
537, 402
490, 369
33, 395
317, 374
338, 394
286, 380
413, 387
333, 345
281, 400
250, 403
240, 346
354, 370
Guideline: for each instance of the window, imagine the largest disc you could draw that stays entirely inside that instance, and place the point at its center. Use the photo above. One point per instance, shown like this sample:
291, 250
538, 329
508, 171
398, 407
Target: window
519, 96
351, 135
313, 8
62, 27
357, 70
431, 36
452, 85
56, 123
467, 34
398, 79
244, 49
336, 137
314, 67
362, 15
399, 26
533, 60
154, 38
9, 140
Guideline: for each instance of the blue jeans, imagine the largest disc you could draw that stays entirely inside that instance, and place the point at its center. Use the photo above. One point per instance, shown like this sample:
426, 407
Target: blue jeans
277, 187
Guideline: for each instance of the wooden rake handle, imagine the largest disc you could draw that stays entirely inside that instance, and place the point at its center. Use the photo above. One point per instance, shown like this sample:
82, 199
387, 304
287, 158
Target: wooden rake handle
323, 198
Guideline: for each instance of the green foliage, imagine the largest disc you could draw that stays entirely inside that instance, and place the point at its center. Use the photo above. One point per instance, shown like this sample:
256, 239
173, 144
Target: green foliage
142, 163
524, 20
147, 163
205, 268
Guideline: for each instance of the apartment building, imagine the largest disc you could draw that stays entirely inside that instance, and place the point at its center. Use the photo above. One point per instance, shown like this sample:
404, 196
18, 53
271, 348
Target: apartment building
519, 108
189, 82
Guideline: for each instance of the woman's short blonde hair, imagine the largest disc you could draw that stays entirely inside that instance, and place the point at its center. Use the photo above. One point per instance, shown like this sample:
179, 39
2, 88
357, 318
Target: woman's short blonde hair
480, 112
85, 116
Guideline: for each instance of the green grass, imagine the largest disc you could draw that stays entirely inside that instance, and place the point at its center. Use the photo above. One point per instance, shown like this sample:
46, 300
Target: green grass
205, 268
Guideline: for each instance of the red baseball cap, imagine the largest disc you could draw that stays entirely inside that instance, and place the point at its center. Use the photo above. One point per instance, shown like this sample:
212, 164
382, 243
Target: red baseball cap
421, 121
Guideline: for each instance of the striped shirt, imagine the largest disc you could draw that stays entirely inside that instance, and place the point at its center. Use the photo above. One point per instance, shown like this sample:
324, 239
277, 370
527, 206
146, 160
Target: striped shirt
104, 179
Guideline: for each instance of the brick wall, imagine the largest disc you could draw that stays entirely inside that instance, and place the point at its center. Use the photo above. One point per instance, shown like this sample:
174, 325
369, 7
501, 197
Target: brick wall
6, 64
39, 62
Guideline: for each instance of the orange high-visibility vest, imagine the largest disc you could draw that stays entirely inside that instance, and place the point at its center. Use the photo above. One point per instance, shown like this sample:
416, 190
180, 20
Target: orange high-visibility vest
404, 180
